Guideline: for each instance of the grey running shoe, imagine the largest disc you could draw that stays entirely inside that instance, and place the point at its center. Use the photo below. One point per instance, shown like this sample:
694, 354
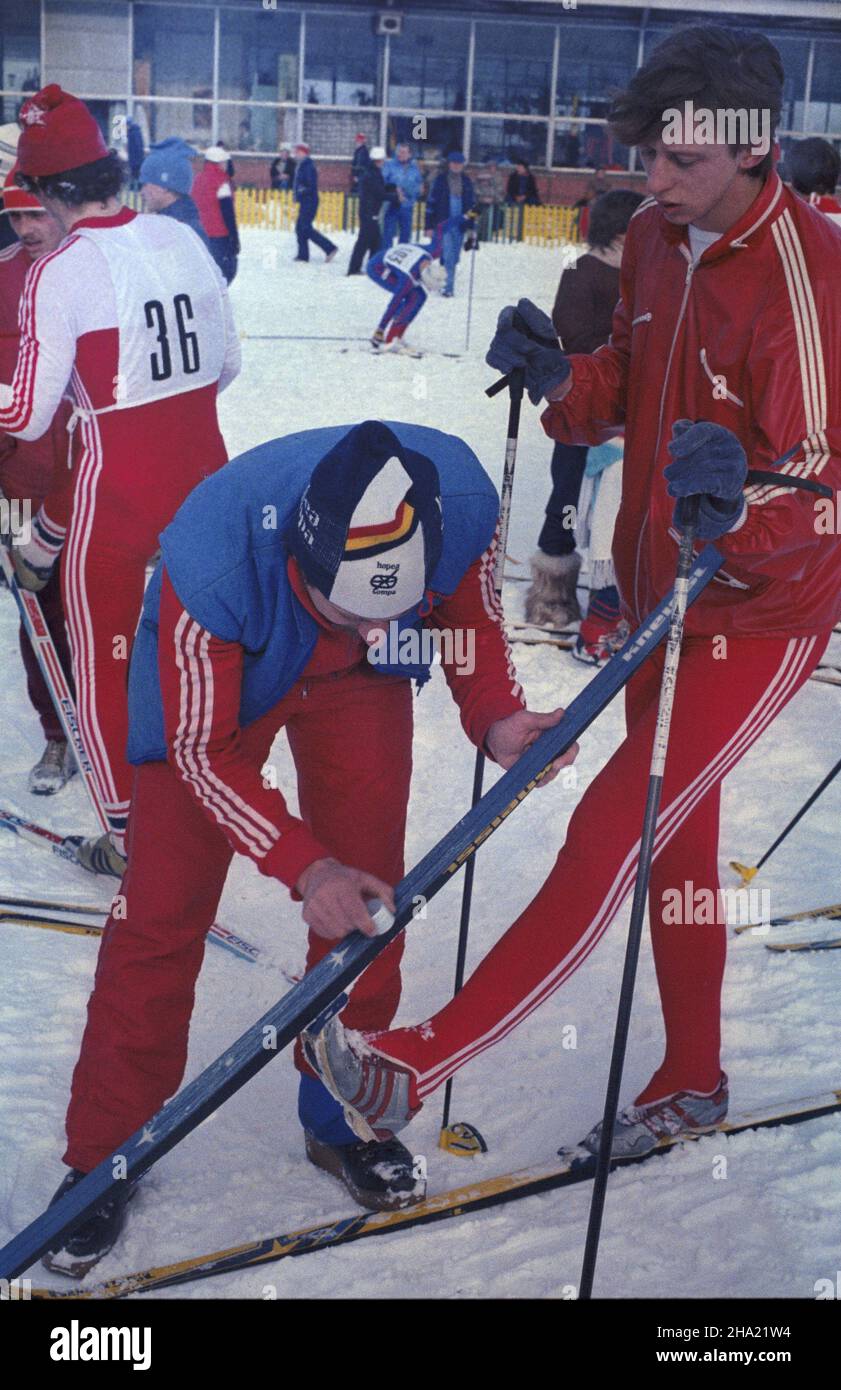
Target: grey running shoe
99, 855
640, 1128
373, 1091
53, 769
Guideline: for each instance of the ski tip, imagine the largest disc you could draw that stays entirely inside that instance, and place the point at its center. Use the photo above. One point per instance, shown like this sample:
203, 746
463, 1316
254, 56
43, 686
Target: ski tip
745, 872
462, 1139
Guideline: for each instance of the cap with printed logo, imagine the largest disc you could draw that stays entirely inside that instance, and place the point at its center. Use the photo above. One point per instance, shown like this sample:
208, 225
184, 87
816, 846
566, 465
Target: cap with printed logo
367, 533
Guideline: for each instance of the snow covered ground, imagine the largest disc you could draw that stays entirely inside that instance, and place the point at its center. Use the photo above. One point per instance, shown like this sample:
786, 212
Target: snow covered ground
671, 1229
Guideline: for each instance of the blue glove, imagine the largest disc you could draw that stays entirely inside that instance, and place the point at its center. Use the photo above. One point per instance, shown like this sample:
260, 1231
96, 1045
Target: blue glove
525, 337
710, 463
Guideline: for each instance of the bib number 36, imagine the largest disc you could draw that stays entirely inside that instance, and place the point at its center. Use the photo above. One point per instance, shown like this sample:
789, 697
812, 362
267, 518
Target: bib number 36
188, 342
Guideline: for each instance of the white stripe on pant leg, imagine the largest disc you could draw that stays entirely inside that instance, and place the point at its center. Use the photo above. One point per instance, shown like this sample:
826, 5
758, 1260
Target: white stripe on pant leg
621, 886
78, 614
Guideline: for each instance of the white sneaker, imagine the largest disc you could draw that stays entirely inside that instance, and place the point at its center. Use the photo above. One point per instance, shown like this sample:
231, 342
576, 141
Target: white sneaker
99, 855
404, 349
53, 769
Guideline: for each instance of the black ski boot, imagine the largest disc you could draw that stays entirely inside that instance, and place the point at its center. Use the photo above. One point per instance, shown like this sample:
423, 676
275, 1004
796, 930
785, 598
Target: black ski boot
88, 1243
379, 1174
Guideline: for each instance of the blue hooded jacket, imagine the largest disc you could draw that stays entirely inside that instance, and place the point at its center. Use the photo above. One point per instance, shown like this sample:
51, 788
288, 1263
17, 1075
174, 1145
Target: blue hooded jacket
226, 558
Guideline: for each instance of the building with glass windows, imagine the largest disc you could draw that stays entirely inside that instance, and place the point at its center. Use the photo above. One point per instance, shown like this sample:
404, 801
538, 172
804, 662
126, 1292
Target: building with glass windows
529, 80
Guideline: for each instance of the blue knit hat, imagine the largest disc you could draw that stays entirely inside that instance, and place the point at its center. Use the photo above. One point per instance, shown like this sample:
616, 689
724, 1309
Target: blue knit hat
367, 532
456, 157
168, 165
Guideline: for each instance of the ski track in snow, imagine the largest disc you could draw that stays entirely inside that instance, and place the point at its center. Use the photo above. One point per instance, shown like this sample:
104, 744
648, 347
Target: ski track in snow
674, 1228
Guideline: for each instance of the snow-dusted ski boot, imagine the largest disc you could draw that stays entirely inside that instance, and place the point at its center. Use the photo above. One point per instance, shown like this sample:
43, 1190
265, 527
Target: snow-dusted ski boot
379, 1175
99, 855
53, 769
551, 599
640, 1127
81, 1251
377, 340
373, 1091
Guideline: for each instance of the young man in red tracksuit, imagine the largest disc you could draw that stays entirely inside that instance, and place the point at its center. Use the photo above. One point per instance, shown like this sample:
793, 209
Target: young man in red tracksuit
28, 470
730, 315
133, 313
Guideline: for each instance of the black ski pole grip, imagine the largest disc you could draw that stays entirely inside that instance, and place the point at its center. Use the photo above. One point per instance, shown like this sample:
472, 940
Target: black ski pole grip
514, 380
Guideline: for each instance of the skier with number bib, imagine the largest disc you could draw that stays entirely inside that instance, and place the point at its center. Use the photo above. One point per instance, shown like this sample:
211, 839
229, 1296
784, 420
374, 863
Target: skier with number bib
133, 313
724, 355
409, 272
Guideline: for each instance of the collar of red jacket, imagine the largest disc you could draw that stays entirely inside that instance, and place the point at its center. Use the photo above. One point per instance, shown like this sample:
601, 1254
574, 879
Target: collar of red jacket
118, 219
754, 223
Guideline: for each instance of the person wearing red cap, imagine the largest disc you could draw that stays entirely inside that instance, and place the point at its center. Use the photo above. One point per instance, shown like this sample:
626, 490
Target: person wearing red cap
132, 311
27, 469
306, 196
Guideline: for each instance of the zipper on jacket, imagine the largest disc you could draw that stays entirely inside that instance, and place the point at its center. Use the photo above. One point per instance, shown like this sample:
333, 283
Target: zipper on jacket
642, 318
686, 288
714, 379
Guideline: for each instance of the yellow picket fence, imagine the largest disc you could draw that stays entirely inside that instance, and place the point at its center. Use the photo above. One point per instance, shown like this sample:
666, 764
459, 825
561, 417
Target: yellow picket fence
273, 210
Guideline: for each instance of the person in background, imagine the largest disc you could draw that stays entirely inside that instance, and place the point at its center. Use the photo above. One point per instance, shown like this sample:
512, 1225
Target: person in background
28, 469
448, 208
408, 272
166, 179
214, 198
373, 192
582, 316
8, 148
596, 186
306, 196
522, 186
813, 168
359, 163
490, 197
282, 171
135, 150
402, 171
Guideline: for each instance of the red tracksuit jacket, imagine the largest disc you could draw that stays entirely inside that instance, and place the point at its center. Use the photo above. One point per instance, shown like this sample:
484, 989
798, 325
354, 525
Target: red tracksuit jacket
750, 338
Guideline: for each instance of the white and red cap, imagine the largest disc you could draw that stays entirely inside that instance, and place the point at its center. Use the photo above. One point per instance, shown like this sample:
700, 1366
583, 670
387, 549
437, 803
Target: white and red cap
368, 529
16, 199
58, 132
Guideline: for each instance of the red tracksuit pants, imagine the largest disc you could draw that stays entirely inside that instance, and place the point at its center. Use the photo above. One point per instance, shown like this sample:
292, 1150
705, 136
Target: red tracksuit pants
721, 708
351, 740
133, 470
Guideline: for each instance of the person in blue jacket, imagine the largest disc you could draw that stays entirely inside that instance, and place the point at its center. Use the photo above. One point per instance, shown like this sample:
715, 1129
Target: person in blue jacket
402, 171
450, 207
299, 587
166, 178
305, 190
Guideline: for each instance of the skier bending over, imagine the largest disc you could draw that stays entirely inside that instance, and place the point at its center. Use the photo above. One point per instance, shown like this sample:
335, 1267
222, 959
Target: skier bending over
729, 316
276, 575
407, 270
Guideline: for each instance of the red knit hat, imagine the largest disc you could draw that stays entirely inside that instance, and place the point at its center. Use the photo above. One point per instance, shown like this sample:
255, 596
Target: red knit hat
15, 199
58, 132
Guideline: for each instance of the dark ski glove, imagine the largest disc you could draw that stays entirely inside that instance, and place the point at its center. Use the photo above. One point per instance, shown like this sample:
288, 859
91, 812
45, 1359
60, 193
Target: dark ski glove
525, 337
708, 462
